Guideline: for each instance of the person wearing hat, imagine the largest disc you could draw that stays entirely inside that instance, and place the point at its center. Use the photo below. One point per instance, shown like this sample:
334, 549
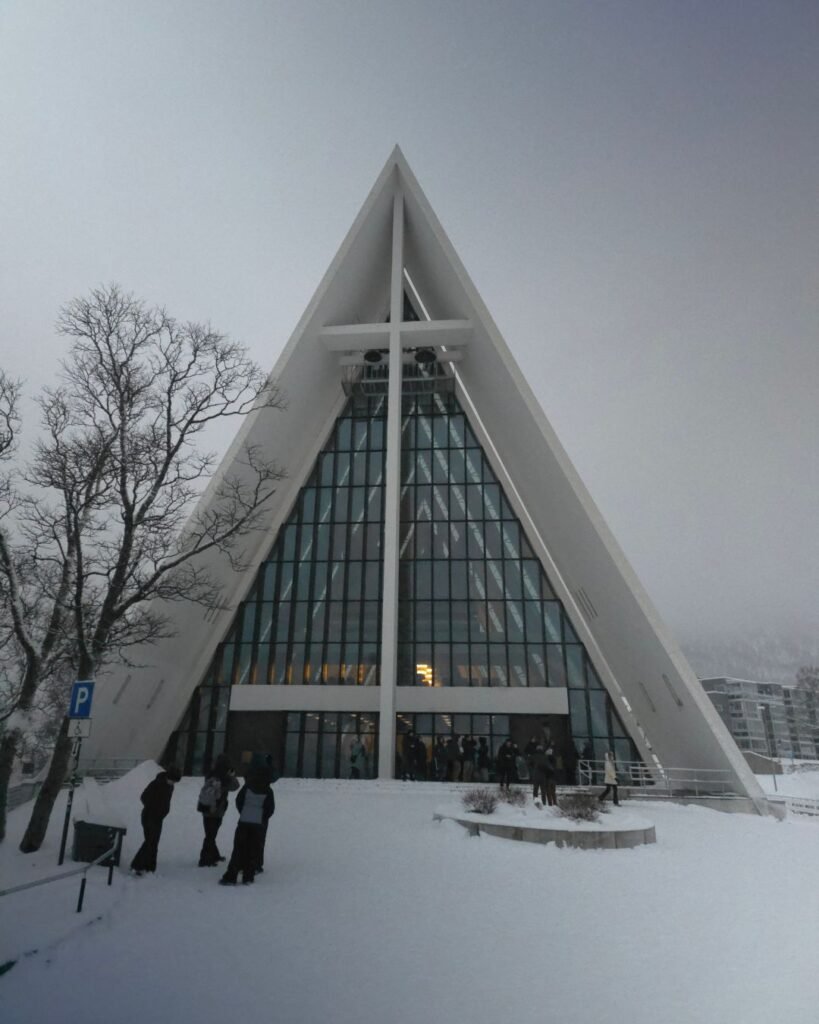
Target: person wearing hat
156, 802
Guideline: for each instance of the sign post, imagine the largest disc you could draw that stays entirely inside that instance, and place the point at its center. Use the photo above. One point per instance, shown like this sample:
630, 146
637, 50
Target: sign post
79, 726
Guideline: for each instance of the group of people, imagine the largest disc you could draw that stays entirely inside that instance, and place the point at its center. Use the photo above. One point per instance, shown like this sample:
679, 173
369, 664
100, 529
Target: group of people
463, 759
453, 761
254, 801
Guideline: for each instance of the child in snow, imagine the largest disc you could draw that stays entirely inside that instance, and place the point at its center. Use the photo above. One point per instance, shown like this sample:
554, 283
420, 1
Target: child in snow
156, 802
256, 804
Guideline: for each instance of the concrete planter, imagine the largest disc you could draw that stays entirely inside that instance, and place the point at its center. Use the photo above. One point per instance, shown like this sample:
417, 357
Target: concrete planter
580, 839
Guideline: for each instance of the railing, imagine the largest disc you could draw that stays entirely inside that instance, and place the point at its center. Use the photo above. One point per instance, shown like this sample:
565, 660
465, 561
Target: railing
802, 805
662, 782
112, 855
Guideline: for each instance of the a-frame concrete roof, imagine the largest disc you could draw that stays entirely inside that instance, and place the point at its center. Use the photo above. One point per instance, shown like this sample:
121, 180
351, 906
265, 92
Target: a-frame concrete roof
656, 692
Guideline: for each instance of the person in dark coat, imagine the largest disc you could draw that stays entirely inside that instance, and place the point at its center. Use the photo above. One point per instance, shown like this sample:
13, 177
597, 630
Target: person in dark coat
439, 759
419, 757
543, 775
156, 802
453, 759
507, 755
220, 782
468, 748
484, 760
256, 804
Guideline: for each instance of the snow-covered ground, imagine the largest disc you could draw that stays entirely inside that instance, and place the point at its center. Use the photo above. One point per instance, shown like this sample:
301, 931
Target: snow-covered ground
370, 912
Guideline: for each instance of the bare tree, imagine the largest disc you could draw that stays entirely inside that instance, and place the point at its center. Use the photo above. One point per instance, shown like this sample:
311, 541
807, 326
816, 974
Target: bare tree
30, 638
107, 515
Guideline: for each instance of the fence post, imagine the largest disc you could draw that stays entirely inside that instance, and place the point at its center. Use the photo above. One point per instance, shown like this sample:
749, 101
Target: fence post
82, 894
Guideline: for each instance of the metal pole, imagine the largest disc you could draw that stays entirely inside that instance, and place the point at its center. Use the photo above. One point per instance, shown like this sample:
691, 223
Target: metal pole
82, 894
70, 801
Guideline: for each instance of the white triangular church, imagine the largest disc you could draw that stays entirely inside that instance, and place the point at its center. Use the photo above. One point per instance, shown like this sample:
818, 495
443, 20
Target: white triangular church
434, 567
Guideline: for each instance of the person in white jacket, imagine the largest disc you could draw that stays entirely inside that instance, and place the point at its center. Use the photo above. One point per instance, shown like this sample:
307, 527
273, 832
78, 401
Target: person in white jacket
610, 778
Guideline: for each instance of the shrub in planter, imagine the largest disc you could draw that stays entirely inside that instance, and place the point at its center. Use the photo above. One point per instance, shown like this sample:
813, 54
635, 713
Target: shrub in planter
481, 800
515, 797
579, 806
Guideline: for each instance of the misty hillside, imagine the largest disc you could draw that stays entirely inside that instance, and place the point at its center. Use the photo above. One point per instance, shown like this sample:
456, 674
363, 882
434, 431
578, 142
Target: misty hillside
759, 656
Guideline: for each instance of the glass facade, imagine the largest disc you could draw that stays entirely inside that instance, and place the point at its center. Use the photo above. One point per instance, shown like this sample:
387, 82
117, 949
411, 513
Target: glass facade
475, 606
329, 745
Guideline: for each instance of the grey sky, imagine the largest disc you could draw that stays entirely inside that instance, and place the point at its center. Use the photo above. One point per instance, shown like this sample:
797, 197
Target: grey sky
632, 186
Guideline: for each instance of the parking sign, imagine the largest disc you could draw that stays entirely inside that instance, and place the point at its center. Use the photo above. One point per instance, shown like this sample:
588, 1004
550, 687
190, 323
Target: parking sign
81, 694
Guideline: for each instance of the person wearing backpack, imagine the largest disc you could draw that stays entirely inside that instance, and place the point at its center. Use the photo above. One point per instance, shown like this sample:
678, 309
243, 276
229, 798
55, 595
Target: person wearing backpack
256, 804
213, 801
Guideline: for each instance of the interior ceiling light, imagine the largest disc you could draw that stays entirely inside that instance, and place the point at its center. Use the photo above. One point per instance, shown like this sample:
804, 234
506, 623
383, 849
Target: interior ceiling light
372, 356
424, 356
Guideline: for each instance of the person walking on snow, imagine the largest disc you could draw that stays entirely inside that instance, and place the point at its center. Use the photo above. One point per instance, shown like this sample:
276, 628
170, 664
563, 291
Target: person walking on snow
256, 804
156, 802
213, 802
610, 778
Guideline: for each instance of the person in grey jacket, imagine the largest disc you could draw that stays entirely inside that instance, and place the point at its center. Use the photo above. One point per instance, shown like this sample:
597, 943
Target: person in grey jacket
256, 804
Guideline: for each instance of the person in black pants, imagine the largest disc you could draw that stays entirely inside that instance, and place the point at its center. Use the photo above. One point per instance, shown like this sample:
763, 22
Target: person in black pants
506, 763
156, 802
256, 804
213, 800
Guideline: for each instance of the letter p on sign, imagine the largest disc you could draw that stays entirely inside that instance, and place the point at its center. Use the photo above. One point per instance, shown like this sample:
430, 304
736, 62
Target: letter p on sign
81, 694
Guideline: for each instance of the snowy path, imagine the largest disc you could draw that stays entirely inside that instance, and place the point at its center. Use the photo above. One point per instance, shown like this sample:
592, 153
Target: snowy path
369, 912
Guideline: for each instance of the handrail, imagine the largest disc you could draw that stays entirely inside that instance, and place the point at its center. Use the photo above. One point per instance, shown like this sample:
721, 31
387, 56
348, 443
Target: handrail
113, 853
663, 781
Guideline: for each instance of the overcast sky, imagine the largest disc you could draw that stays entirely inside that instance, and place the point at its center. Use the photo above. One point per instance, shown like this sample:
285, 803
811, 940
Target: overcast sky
633, 187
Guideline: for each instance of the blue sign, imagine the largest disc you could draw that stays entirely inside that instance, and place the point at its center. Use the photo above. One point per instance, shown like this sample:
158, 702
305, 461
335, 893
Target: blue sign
81, 695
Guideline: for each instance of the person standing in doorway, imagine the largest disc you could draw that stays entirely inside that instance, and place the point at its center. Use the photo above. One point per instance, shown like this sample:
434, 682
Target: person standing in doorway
610, 778
156, 802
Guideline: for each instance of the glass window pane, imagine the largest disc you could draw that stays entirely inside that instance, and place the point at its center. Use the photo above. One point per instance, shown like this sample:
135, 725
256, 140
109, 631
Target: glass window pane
551, 621
511, 539
477, 583
536, 661
518, 670
492, 540
554, 661
343, 433
491, 496
574, 664
342, 469
440, 577
597, 705
530, 575
459, 618
577, 712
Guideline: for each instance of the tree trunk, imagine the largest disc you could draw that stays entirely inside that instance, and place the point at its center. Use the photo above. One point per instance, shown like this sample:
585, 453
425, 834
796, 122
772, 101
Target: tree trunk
44, 804
8, 748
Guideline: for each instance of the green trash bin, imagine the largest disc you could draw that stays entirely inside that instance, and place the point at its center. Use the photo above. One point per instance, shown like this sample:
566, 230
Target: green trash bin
91, 841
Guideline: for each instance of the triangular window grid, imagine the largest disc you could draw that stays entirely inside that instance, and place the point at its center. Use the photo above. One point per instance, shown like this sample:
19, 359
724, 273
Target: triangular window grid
476, 608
